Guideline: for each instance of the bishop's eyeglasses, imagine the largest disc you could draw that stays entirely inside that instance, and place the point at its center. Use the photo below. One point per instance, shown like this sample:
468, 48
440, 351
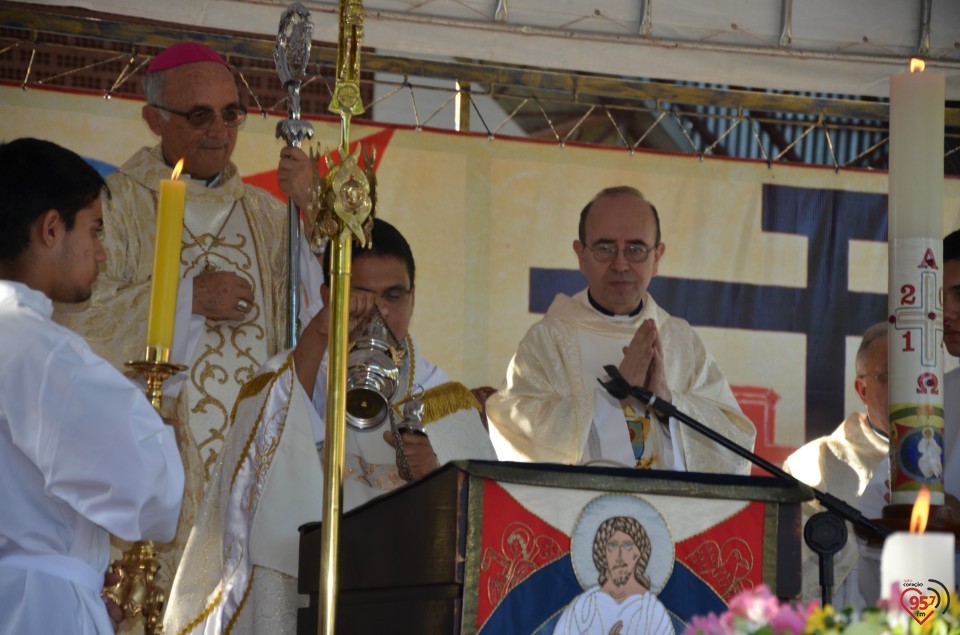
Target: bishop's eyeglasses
201, 117
607, 252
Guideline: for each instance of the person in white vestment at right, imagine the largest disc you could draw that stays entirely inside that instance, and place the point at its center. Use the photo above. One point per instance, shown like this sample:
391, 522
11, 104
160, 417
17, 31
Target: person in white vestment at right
550, 407
241, 563
842, 464
877, 493
82, 452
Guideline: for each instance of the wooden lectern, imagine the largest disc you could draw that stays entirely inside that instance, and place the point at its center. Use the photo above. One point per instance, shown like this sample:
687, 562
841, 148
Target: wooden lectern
482, 547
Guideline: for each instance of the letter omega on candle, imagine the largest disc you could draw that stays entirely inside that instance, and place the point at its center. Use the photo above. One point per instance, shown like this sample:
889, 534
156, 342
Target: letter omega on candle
166, 264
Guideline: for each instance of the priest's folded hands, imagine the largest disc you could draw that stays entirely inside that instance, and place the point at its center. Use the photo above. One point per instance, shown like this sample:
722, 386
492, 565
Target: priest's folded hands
642, 363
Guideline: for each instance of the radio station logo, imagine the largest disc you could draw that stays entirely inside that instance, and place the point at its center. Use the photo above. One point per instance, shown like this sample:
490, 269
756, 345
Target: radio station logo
923, 600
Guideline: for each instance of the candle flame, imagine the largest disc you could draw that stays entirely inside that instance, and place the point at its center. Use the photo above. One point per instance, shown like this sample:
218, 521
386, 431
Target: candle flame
917, 65
176, 170
921, 512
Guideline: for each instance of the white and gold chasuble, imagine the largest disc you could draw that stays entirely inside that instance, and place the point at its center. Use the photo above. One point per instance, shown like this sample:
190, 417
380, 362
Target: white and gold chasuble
551, 409
240, 565
230, 227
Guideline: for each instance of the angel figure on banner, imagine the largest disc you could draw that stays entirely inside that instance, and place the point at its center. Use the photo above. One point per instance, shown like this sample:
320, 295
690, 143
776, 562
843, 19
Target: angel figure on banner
630, 568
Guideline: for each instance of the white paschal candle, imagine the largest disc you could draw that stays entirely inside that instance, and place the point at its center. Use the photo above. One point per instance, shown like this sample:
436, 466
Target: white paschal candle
917, 101
915, 211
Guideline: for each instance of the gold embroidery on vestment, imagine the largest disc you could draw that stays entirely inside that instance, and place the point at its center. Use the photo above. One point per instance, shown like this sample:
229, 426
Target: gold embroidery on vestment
203, 615
243, 601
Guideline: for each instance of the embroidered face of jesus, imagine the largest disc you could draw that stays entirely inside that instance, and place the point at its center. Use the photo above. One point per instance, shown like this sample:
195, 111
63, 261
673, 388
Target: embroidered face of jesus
622, 556
620, 545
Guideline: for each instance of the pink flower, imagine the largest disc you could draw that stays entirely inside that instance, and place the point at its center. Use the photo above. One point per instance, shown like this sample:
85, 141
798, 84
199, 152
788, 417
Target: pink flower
790, 619
757, 607
709, 625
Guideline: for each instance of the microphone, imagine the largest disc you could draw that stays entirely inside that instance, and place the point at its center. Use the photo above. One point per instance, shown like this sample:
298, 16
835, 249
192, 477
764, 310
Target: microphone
824, 533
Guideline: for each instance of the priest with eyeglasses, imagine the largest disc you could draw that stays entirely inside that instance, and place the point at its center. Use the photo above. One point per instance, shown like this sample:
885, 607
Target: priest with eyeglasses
551, 408
230, 315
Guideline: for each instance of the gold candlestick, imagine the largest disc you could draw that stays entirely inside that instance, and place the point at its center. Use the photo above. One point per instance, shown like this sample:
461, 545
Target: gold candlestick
155, 368
137, 593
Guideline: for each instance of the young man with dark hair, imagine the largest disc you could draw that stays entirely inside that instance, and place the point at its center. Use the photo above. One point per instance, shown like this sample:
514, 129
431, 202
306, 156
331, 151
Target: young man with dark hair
82, 452
388, 242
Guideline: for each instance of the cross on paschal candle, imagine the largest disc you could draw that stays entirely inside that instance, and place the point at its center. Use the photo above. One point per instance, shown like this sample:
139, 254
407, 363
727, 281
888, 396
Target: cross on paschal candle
923, 318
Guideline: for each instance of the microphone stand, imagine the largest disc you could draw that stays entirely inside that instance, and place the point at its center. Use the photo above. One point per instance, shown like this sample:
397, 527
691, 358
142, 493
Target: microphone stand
825, 533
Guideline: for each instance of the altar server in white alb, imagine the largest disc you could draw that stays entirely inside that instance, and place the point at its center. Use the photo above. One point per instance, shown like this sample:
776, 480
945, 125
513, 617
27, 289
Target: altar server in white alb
82, 452
551, 408
240, 565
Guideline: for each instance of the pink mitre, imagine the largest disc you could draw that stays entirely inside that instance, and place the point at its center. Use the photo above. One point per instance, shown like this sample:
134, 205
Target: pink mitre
184, 53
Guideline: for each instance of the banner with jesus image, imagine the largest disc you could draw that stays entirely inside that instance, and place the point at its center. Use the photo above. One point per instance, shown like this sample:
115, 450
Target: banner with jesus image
570, 561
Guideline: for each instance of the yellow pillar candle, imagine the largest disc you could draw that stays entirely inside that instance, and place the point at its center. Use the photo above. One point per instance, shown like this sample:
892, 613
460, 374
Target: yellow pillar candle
166, 266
